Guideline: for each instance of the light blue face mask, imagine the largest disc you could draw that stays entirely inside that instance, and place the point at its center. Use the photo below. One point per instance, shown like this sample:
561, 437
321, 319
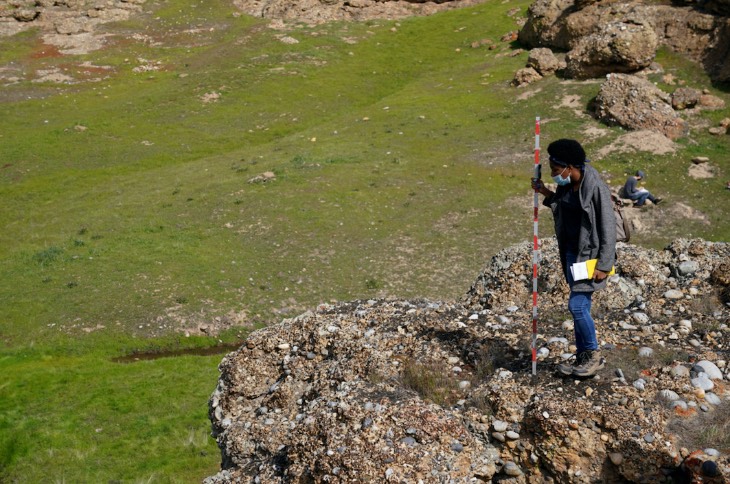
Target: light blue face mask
560, 180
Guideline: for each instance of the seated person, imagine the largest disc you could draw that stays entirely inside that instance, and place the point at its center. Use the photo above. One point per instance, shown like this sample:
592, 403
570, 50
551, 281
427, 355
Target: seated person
638, 195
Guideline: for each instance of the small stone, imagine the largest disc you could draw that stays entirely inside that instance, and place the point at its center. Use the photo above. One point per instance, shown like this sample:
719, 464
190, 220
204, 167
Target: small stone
649, 438
668, 396
588, 391
640, 384
712, 452
710, 469
499, 425
640, 318
711, 369
512, 435
512, 469
703, 382
617, 458
409, 441
712, 399
688, 267
645, 352
498, 436
674, 294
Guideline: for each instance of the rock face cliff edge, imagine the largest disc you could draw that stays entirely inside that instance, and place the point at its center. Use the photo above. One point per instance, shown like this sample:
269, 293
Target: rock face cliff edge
433, 391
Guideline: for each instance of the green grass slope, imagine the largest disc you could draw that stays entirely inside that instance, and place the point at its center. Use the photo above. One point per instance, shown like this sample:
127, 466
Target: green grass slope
401, 156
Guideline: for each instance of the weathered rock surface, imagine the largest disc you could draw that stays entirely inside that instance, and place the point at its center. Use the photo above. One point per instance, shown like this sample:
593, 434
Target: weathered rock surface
614, 47
442, 391
635, 103
703, 36
69, 25
318, 11
544, 61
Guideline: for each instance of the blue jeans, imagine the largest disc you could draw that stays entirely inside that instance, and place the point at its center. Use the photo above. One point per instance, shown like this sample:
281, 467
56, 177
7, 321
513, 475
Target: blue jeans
641, 197
579, 305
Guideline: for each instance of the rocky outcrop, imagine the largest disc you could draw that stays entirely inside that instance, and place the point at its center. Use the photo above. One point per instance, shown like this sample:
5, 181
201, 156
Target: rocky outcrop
435, 391
318, 11
615, 47
69, 25
703, 36
635, 103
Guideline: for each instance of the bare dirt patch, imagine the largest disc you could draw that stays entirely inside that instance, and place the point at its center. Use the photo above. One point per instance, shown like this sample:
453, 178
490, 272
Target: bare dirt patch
642, 140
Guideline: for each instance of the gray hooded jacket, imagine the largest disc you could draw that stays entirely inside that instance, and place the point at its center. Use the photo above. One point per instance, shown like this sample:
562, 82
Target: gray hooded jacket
597, 237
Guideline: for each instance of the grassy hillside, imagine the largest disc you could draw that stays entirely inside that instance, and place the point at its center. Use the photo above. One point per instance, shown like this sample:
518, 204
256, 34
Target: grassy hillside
401, 157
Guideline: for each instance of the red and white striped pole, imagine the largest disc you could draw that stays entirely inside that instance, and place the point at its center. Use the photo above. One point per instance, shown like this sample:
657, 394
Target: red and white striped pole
535, 249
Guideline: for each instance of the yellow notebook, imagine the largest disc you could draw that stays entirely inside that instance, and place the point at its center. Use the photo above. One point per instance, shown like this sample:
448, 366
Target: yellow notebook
584, 270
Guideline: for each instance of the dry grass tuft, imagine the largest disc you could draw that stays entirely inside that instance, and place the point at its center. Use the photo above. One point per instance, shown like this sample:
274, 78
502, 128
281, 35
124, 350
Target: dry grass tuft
705, 430
432, 381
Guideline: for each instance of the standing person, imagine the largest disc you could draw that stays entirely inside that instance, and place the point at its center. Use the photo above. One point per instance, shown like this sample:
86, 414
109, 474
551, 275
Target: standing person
586, 229
638, 195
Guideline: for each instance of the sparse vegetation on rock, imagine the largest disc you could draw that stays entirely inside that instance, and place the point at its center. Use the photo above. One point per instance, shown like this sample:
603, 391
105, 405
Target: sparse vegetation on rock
437, 391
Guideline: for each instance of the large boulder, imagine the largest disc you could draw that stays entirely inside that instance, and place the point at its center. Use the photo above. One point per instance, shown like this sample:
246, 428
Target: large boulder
699, 34
545, 25
616, 47
635, 103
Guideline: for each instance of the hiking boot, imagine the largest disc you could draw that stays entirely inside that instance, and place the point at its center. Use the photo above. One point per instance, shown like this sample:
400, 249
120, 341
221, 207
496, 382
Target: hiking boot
588, 363
566, 368
657, 201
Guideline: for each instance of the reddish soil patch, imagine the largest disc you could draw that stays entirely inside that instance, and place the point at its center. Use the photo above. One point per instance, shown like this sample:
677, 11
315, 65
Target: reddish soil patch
45, 51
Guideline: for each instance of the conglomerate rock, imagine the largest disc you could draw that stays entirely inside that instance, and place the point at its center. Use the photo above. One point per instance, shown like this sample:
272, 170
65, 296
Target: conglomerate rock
702, 35
635, 103
614, 47
434, 391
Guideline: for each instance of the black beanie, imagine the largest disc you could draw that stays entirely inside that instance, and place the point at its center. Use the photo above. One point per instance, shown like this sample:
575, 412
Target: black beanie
567, 152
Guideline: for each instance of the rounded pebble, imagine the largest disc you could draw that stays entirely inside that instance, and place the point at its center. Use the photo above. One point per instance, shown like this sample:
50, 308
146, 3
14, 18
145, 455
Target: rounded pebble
512, 469
712, 399
499, 425
713, 372
703, 382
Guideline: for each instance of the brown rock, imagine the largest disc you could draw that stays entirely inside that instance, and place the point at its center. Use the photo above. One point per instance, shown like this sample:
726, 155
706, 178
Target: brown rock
616, 47
636, 103
543, 61
685, 98
525, 76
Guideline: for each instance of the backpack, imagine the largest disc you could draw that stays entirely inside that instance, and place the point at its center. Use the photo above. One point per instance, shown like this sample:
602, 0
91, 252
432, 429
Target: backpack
623, 228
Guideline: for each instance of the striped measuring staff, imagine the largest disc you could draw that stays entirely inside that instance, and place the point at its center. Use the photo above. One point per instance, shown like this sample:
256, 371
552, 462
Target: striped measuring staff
535, 249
